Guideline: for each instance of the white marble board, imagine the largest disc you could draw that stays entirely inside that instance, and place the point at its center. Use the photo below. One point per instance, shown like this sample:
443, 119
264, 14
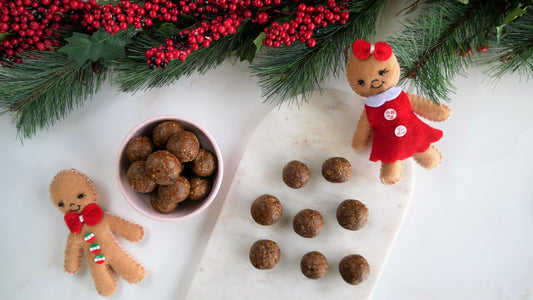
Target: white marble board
311, 133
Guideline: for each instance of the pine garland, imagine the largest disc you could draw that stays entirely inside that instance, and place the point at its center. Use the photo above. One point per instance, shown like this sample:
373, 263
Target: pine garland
287, 72
45, 88
432, 48
133, 75
514, 54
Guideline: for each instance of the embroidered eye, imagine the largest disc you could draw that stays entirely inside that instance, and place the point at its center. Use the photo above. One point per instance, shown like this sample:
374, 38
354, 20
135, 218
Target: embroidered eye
361, 82
81, 195
382, 72
60, 204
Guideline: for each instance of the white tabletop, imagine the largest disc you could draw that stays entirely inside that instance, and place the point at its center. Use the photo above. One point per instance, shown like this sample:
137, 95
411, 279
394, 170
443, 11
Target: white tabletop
467, 235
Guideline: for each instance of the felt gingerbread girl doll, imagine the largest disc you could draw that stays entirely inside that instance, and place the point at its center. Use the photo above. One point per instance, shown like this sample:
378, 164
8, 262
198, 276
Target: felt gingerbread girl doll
74, 194
389, 116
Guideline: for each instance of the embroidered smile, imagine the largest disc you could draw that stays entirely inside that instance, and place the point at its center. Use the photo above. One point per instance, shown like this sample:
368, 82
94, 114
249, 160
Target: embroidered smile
76, 209
376, 81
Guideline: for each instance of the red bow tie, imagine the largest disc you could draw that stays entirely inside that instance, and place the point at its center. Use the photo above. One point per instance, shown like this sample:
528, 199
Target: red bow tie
363, 49
91, 215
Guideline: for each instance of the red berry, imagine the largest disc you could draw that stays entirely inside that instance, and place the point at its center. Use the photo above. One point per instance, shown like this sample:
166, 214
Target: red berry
40, 46
4, 27
482, 48
262, 18
465, 53
345, 15
310, 43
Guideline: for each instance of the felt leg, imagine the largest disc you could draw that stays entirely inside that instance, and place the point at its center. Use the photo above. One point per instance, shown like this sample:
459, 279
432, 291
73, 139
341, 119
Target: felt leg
391, 173
103, 278
129, 269
430, 158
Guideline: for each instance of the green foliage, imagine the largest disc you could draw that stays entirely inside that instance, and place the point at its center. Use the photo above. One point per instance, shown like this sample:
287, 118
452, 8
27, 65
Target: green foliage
434, 47
514, 53
44, 89
518, 9
286, 72
133, 73
83, 47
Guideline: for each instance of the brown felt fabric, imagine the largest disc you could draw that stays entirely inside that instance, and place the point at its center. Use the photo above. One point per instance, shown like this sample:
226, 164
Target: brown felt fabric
65, 188
73, 255
363, 133
391, 173
368, 70
429, 159
429, 109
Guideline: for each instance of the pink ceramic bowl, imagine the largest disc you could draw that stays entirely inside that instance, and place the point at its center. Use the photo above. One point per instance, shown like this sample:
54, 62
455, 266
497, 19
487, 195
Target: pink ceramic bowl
141, 202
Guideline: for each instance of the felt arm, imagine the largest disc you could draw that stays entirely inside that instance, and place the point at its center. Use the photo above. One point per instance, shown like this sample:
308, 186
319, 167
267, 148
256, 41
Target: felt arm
73, 254
429, 109
362, 135
124, 228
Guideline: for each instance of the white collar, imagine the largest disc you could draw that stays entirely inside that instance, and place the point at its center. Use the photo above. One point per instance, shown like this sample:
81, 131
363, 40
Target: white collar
379, 99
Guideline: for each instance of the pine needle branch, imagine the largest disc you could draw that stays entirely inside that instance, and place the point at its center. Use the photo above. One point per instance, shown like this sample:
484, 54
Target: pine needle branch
286, 72
44, 89
133, 74
433, 48
514, 54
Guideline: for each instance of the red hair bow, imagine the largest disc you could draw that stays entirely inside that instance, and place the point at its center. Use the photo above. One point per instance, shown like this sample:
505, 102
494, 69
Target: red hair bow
363, 49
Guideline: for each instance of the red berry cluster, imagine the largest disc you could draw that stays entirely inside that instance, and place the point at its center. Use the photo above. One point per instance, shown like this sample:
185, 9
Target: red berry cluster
482, 48
308, 18
181, 45
30, 25
231, 15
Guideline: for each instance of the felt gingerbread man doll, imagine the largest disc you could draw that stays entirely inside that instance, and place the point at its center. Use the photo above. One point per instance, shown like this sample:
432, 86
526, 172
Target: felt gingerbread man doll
391, 115
74, 194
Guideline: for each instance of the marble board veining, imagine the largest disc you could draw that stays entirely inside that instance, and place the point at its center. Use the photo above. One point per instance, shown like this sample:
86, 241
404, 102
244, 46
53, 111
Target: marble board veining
316, 130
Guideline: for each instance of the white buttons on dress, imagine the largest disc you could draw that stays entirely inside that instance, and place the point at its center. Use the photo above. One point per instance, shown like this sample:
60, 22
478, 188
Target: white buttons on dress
400, 131
390, 114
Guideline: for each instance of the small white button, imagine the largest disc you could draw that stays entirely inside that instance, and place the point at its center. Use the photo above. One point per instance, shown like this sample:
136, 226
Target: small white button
400, 131
390, 114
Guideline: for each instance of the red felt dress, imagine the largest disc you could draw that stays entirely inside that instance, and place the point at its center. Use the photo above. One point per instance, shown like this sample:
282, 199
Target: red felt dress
398, 132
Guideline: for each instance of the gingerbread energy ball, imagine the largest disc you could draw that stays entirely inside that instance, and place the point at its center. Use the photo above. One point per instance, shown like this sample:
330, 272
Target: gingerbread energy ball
176, 192
205, 163
266, 210
352, 214
161, 206
184, 145
265, 254
337, 169
163, 167
200, 188
314, 265
296, 174
138, 179
354, 269
308, 223
139, 148
163, 131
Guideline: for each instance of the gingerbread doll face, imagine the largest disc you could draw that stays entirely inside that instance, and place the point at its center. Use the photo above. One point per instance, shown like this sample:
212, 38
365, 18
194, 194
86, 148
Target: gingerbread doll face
370, 76
72, 191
